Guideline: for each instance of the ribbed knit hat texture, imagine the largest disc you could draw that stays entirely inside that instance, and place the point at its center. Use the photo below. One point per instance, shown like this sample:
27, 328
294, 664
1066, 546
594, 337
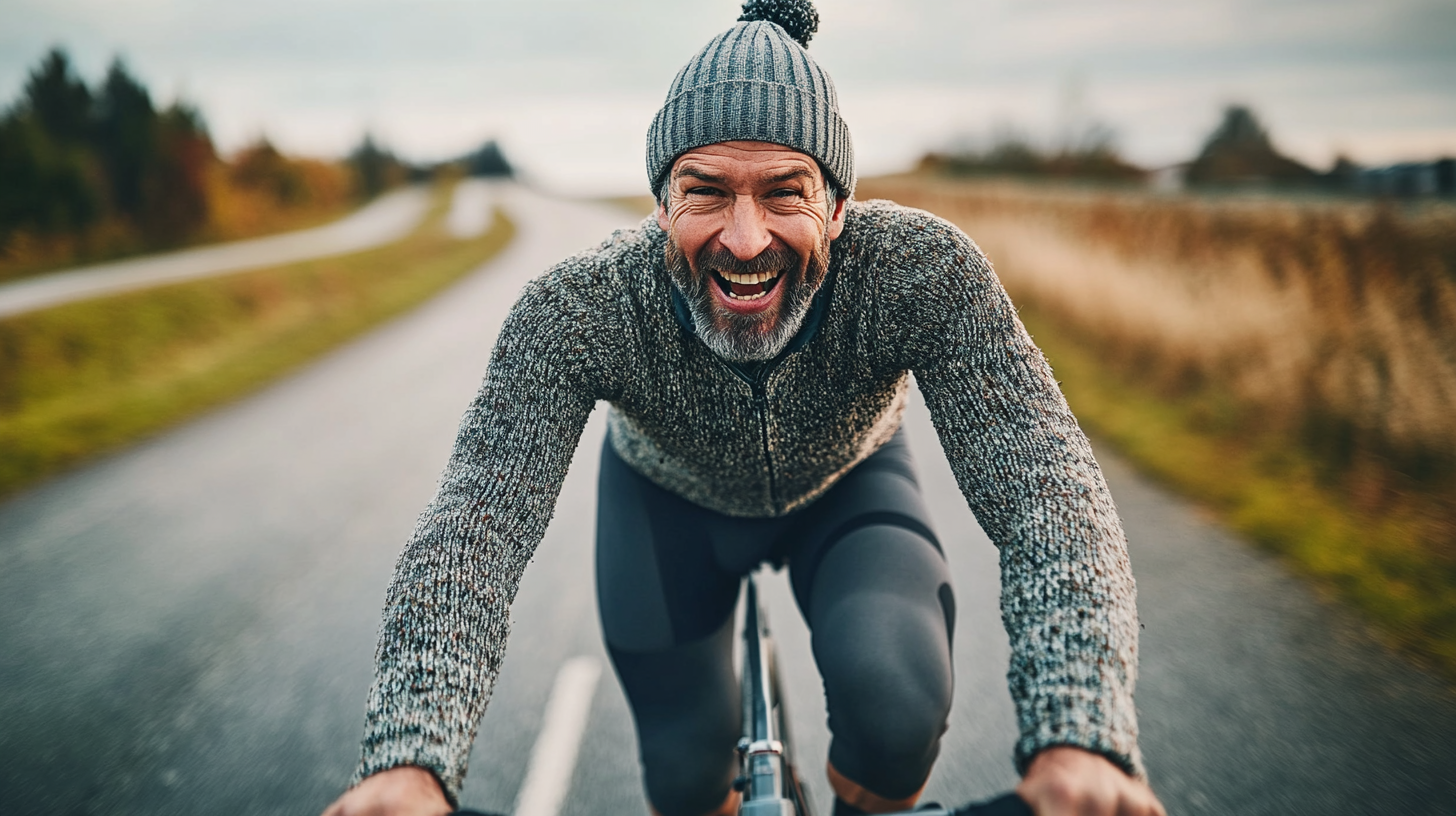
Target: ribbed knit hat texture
755, 82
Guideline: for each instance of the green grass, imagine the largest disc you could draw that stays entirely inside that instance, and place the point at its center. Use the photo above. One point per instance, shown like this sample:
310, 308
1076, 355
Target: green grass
1268, 489
84, 378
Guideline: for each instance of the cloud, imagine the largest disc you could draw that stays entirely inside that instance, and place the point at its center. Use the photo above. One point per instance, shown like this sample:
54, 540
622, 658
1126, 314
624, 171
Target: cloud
433, 76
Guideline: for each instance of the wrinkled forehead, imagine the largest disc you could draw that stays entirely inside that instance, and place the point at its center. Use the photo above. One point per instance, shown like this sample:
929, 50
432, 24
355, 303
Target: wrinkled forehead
748, 163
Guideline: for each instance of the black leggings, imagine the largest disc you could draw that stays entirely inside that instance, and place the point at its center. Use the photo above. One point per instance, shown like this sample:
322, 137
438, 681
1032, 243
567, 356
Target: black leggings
869, 577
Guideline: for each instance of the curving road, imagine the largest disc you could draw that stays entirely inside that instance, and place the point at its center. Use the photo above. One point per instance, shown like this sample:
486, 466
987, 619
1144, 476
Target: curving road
385, 220
188, 627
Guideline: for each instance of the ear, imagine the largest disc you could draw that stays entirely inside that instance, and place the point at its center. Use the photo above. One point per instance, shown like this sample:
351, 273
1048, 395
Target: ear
662, 220
836, 221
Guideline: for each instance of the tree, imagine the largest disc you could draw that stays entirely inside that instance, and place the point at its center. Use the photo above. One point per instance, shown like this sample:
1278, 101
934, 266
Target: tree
261, 167
48, 180
1240, 152
375, 168
58, 99
126, 135
489, 160
174, 197
44, 187
70, 157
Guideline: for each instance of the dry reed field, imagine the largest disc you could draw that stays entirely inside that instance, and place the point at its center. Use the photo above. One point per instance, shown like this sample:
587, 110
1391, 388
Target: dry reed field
1312, 342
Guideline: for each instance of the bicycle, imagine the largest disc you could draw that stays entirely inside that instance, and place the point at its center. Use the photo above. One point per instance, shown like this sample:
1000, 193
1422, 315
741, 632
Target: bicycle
767, 780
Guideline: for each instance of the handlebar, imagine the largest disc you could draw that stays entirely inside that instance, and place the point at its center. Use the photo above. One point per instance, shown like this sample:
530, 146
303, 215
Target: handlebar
1005, 805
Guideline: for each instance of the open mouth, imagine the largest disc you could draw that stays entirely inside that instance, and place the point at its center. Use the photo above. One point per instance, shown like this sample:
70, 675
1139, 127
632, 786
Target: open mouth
746, 287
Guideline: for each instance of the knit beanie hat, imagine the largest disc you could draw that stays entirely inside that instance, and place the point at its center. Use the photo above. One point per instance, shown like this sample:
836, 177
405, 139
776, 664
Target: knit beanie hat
755, 82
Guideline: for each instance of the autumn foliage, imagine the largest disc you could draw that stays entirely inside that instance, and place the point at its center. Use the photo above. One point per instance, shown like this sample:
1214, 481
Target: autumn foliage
94, 173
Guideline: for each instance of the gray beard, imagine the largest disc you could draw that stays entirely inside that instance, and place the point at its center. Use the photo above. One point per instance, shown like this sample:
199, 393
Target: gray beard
747, 338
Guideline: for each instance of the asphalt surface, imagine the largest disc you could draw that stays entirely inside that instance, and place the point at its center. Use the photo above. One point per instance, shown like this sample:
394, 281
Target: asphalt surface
382, 221
188, 627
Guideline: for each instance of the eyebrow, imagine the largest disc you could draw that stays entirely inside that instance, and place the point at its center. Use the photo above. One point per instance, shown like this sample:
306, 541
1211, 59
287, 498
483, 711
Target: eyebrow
700, 175
799, 172
703, 175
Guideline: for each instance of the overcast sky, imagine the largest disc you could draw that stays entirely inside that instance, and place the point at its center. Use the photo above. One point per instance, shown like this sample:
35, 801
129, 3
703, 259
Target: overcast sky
570, 85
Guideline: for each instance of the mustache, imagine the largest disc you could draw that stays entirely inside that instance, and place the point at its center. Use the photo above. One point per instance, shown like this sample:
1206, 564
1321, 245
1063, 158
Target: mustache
775, 258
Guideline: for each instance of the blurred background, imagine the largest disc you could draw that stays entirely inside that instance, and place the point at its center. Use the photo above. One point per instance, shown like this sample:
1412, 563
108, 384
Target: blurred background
1231, 226
569, 87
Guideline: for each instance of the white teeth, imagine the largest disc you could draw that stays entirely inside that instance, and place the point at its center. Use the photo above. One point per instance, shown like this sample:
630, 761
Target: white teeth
747, 297
758, 277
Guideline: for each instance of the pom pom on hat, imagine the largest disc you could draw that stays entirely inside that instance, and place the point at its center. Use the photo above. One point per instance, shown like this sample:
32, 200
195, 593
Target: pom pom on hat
797, 17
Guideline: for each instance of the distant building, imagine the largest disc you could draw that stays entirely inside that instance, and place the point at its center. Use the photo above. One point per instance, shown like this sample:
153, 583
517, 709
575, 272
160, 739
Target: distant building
1403, 180
1172, 178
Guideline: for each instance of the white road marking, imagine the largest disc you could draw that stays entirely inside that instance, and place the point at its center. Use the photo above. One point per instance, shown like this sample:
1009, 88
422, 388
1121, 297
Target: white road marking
548, 777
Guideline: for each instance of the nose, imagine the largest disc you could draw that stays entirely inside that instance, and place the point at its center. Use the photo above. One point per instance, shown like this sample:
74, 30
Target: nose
746, 232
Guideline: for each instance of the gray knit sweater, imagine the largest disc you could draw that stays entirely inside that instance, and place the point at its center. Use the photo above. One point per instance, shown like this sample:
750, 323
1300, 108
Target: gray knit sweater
910, 293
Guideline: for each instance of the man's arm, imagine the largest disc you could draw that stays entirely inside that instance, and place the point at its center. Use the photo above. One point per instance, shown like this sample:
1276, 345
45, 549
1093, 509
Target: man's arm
446, 616
1027, 471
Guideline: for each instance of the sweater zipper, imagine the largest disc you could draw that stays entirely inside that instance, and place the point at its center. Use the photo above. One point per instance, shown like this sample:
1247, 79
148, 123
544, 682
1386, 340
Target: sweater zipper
760, 399
759, 387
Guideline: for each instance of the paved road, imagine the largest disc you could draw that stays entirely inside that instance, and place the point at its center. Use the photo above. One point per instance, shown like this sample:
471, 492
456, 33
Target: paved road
470, 207
388, 219
187, 627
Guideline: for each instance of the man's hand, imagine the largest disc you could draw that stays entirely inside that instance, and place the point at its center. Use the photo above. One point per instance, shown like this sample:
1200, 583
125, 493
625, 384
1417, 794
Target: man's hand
1063, 780
402, 791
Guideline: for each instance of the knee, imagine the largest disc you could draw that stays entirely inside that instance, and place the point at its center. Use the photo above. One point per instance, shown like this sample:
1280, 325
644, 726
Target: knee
688, 758
687, 783
889, 697
892, 705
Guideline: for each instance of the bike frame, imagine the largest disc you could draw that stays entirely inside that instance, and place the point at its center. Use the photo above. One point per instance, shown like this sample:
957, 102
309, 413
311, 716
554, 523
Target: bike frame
767, 781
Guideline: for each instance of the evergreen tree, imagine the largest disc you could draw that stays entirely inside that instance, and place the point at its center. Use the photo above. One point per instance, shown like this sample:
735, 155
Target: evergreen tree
49, 181
70, 156
126, 134
59, 100
44, 187
375, 168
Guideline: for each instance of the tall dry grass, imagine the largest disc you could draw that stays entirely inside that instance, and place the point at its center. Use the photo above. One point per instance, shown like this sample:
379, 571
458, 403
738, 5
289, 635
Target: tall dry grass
1337, 320
1323, 329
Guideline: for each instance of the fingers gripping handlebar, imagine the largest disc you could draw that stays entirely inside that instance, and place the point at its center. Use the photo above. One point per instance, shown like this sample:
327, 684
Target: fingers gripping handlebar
1007, 805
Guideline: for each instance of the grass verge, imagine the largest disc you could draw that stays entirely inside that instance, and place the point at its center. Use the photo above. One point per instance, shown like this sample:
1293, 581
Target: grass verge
89, 377
1268, 490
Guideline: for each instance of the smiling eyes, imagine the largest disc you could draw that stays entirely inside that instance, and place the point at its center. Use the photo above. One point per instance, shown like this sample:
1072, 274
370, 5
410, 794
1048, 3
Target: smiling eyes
782, 193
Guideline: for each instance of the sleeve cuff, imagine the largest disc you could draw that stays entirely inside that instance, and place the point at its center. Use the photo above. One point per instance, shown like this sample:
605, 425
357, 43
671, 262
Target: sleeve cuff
377, 759
1121, 749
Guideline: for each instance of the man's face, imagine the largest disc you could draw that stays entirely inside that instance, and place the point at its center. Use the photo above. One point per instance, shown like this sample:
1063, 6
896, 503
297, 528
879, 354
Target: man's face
749, 227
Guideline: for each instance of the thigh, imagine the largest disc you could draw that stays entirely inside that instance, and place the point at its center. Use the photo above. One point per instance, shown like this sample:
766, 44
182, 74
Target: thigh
881, 613
882, 492
667, 617
875, 589
659, 583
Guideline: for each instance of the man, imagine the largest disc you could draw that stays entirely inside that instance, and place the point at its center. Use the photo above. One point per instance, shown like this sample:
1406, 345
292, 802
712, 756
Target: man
754, 340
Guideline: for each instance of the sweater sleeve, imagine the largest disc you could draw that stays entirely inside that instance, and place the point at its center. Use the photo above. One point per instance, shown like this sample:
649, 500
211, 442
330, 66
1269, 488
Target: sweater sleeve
446, 614
1068, 600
